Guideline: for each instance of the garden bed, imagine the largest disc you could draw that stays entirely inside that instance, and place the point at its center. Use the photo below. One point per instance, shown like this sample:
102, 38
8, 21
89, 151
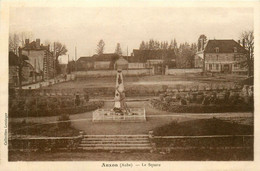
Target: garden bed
199, 108
203, 134
201, 127
41, 130
41, 110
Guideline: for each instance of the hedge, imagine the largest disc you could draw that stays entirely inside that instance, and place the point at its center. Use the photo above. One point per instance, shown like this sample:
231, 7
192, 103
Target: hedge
199, 108
53, 109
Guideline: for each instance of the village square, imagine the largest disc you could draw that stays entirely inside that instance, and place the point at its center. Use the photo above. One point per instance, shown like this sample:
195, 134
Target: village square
160, 100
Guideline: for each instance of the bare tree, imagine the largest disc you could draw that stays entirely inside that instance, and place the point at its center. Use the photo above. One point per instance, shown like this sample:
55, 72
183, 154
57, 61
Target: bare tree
100, 47
18, 39
13, 43
118, 49
248, 42
59, 50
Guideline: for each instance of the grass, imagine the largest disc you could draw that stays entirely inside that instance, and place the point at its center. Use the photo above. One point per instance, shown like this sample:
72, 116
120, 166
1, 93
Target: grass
133, 81
203, 127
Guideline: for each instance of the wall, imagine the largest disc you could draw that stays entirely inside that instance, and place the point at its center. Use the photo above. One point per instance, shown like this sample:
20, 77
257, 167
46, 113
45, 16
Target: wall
182, 71
132, 72
199, 59
102, 64
136, 65
35, 58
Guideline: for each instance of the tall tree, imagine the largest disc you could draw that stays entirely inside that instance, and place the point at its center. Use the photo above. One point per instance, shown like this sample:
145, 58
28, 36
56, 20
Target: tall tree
175, 45
156, 45
100, 47
248, 41
151, 44
118, 49
59, 50
142, 46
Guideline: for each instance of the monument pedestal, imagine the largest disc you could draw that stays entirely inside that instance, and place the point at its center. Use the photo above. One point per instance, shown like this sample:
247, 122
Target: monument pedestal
108, 115
120, 112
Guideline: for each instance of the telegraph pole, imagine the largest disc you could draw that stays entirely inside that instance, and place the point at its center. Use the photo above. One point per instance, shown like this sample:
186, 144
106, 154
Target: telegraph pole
68, 64
76, 58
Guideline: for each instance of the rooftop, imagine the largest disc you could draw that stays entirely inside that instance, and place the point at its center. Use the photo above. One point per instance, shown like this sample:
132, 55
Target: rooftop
225, 46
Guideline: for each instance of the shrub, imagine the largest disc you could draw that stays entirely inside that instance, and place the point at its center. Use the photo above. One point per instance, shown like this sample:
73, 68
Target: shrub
183, 102
64, 121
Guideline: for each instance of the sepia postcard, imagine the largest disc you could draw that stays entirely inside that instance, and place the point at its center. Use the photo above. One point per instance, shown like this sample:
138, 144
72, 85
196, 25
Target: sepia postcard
129, 85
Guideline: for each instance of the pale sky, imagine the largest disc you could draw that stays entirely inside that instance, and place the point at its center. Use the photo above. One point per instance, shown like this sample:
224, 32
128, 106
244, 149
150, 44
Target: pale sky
84, 27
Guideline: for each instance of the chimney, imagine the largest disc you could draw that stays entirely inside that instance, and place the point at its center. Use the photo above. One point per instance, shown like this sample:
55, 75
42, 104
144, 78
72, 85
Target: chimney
238, 42
243, 43
26, 42
38, 43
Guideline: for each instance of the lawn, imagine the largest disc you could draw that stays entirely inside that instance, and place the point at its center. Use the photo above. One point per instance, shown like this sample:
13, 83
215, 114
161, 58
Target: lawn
154, 81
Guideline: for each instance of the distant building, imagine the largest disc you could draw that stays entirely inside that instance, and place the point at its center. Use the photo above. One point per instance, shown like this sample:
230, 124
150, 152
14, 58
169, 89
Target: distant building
121, 63
14, 70
105, 61
85, 63
156, 59
224, 56
139, 59
40, 58
199, 56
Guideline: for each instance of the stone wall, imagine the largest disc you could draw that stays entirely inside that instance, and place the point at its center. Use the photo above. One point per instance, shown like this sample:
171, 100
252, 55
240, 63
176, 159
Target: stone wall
182, 71
102, 73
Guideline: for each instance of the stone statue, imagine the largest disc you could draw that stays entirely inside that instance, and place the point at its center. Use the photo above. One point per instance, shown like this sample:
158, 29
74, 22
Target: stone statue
120, 104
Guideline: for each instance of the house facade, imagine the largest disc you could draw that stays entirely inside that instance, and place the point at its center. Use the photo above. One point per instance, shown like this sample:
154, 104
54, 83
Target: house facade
40, 58
224, 56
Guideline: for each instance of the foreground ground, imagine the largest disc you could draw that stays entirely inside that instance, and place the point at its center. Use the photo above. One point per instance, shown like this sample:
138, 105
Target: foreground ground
178, 155
155, 118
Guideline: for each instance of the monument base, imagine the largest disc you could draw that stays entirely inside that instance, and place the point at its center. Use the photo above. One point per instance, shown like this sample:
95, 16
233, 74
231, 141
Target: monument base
110, 115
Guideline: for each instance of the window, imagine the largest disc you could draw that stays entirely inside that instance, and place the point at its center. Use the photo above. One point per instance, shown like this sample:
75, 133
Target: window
217, 66
217, 49
236, 66
235, 49
217, 57
210, 66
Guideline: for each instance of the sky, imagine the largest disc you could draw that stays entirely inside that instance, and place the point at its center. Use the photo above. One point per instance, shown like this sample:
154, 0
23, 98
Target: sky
84, 27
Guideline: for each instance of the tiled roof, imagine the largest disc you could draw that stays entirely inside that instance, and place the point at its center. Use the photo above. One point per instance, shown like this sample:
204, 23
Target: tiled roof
32, 46
106, 57
86, 59
225, 46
